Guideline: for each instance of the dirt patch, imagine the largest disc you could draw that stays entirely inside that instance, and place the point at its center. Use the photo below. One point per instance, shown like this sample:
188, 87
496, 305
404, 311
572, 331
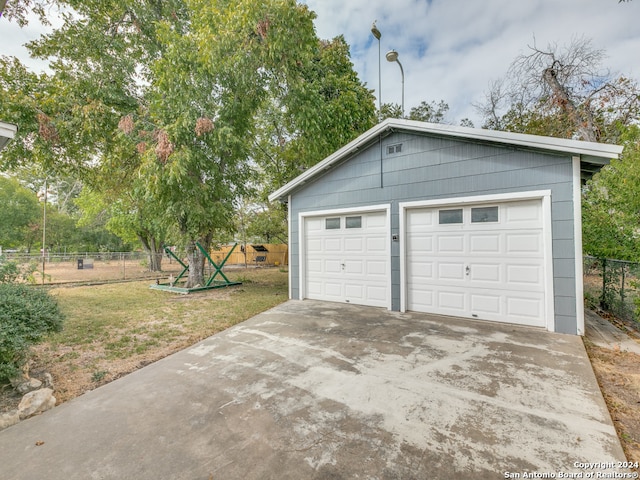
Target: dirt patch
618, 374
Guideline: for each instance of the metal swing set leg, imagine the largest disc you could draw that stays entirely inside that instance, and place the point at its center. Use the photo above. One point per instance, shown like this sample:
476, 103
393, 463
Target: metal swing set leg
209, 284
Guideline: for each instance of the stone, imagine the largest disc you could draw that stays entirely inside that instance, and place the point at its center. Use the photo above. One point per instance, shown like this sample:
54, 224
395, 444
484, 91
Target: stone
35, 402
8, 419
47, 381
29, 386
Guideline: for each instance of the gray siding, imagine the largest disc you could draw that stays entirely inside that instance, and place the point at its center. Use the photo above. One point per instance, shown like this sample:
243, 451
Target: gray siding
431, 167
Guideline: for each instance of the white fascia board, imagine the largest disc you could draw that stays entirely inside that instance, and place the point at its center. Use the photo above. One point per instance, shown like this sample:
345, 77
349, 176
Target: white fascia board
598, 153
7, 132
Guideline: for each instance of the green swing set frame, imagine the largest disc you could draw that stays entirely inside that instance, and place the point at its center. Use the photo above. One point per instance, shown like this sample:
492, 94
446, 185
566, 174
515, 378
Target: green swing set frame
209, 284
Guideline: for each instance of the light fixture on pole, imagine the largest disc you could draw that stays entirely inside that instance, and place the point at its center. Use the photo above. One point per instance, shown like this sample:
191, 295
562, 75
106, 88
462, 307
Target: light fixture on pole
392, 56
376, 33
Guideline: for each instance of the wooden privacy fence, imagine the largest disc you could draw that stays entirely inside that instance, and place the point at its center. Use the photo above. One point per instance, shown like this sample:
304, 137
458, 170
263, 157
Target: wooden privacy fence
262, 254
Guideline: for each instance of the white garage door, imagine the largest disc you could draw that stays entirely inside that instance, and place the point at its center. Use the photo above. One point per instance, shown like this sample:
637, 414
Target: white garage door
346, 258
481, 261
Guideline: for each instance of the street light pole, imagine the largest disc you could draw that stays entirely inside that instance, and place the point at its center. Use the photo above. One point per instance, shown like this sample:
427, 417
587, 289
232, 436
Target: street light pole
392, 56
376, 33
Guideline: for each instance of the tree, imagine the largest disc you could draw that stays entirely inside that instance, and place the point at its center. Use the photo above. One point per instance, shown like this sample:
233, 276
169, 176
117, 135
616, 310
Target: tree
19, 214
165, 104
563, 92
430, 112
611, 205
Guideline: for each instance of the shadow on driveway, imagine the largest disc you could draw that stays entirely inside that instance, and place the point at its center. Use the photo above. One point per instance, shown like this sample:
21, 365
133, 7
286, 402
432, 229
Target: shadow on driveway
315, 390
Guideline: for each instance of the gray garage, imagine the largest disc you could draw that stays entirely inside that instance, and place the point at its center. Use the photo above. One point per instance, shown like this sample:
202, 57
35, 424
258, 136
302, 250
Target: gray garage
433, 218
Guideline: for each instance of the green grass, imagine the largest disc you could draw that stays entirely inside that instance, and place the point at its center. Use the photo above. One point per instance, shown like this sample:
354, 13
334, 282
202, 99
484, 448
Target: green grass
120, 321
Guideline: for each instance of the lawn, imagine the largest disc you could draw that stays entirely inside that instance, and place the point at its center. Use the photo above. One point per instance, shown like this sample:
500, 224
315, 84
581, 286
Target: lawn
114, 329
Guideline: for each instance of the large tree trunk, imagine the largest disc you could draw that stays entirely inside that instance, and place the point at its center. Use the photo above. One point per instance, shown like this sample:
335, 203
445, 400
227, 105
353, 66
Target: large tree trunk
154, 250
196, 262
155, 255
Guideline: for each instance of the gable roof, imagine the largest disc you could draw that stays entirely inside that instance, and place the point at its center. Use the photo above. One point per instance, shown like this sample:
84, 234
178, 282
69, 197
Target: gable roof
7, 132
592, 155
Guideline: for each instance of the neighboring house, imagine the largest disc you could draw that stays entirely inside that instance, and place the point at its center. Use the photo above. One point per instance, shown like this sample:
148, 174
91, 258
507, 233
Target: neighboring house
414, 216
7, 132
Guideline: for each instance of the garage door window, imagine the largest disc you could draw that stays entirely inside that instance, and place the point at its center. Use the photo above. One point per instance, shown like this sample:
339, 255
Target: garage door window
332, 223
353, 222
447, 217
484, 214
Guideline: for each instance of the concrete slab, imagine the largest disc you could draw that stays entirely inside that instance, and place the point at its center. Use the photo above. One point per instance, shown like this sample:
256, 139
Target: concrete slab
604, 334
314, 390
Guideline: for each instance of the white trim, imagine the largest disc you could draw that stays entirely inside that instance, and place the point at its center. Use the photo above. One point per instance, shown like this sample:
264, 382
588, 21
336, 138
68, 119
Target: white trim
7, 133
597, 153
302, 216
499, 197
543, 195
289, 248
549, 292
577, 235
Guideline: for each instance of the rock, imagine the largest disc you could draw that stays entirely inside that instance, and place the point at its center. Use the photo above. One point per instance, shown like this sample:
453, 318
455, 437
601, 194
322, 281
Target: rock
48, 381
36, 402
29, 386
8, 419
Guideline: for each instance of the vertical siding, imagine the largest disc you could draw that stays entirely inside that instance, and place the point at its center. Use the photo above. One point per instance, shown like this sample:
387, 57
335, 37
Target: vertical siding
431, 168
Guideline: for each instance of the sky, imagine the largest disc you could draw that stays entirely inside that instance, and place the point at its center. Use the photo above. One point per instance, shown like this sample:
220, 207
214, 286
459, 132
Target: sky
450, 49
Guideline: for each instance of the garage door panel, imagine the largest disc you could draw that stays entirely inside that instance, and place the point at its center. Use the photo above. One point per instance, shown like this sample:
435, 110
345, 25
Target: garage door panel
376, 244
524, 243
451, 300
332, 266
485, 303
332, 245
420, 244
492, 268
314, 246
420, 270
347, 264
525, 274
378, 294
353, 244
314, 266
451, 243
527, 213
450, 271
486, 273
353, 291
376, 267
354, 267
485, 243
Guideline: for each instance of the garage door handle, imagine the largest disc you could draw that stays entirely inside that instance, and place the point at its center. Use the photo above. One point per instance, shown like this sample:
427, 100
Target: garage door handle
342, 265
467, 270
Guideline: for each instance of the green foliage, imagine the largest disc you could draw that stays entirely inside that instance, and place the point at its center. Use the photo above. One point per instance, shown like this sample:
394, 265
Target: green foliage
611, 205
20, 213
26, 315
11, 271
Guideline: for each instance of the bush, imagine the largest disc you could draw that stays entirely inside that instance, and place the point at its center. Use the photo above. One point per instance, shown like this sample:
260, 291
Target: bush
26, 315
11, 272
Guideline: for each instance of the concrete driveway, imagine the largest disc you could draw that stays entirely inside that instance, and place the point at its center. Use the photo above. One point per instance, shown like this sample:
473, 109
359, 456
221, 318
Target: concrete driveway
314, 390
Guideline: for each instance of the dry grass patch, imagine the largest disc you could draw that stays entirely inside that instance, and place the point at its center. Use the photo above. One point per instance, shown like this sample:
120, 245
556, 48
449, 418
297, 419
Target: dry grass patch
618, 374
114, 329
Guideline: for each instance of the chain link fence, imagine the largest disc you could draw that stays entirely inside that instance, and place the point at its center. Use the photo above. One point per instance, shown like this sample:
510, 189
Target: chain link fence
613, 286
88, 267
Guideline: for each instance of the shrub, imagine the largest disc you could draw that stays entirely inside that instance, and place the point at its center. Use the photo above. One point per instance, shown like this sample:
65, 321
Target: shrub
11, 272
26, 315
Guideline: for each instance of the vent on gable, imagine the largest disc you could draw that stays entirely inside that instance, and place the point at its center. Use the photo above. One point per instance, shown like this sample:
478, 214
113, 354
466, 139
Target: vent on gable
392, 149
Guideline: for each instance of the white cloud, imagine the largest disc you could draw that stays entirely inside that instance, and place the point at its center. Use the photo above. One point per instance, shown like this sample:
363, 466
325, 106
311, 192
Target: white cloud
450, 49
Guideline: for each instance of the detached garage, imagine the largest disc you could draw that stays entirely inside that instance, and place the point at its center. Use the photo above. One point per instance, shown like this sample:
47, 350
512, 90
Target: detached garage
434, 218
